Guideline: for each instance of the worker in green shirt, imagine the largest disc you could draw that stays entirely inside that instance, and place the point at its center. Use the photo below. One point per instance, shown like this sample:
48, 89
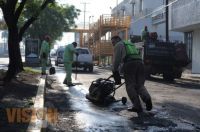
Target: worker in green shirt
69, 52
44, 53
126, 53
145, 34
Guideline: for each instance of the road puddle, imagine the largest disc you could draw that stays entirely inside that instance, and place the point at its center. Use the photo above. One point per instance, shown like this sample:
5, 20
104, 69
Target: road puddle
115, 117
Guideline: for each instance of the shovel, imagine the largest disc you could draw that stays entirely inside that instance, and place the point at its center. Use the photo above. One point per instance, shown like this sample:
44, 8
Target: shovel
76, 71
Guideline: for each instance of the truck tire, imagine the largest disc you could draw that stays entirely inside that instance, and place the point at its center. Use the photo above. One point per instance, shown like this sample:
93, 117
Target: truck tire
85, 69
168, 76
56, 63
178, 73
91, 69
147, 70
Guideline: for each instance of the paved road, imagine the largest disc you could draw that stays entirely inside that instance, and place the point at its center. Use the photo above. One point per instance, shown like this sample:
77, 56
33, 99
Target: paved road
176, 106
4, 62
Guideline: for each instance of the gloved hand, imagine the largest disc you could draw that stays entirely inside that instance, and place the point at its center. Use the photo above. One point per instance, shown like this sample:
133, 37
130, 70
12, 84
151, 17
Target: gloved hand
117, 77
44, 56
77, 54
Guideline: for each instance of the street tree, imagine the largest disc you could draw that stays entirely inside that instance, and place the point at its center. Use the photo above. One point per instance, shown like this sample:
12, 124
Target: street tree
54, 20
12, 10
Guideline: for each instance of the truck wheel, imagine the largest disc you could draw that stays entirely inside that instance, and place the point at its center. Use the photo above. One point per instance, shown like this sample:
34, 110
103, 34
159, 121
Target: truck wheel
147, 70
168, 77
56, 63
85, 69
124, 100
178, 73
91, 69
147, 76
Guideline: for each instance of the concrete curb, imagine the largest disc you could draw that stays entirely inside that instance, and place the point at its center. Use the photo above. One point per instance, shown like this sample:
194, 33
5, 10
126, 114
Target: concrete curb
39, 116
190, 78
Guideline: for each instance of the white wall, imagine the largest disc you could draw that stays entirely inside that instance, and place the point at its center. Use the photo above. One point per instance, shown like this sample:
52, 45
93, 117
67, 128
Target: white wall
185, 15
137, 27
139, 21
152, 3
196, 53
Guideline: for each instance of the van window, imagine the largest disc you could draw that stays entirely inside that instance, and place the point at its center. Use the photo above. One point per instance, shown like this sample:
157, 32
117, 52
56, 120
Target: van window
82, 51
60, 53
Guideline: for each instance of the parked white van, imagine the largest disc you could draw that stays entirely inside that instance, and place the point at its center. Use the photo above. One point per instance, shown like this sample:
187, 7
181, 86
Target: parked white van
84, 60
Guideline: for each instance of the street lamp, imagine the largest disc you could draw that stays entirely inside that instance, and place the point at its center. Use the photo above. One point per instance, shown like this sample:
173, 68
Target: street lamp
123, 10
89, 20
111, 10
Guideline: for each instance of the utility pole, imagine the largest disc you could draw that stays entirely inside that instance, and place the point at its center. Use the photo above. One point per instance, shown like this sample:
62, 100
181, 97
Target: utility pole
167, 20
89, 20
84, 11
117, 7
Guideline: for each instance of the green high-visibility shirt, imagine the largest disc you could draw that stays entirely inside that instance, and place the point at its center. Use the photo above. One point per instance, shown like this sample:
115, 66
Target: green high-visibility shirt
122, 50
131, 50
145, 35
69, 53
45, 48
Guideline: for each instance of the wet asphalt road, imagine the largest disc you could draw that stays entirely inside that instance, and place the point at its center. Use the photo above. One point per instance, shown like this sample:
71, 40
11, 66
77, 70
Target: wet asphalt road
176, 106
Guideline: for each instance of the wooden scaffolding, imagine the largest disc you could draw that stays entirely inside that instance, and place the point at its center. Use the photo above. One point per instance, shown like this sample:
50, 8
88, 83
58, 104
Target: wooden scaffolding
100, 33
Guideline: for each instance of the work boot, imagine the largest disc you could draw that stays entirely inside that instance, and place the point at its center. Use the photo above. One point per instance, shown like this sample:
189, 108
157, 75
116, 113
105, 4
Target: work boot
133, 109
65, 82
149, 105
43, 73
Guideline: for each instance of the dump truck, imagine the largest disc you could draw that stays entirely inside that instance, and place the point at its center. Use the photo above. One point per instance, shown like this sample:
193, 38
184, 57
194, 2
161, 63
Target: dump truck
163, 58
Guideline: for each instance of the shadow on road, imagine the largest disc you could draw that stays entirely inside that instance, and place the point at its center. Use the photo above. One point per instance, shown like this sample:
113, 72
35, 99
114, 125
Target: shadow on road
183, 111
74, 108
180, 83
152, 121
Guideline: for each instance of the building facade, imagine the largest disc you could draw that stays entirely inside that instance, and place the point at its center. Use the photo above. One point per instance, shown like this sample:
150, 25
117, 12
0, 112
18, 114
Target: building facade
150, 13
185, 17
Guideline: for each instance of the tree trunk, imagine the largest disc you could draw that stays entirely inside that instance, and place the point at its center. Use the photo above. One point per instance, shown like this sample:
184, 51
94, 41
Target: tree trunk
15, 61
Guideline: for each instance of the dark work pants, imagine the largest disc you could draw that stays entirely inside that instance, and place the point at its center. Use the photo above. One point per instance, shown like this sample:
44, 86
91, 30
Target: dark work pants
134, 80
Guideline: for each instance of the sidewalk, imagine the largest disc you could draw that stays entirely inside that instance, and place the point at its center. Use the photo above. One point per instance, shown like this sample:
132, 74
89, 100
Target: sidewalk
187, 74
17, 99
3, 55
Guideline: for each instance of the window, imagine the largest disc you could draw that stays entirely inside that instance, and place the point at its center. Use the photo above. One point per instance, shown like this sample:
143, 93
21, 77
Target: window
82, 51
189, 42
60, 53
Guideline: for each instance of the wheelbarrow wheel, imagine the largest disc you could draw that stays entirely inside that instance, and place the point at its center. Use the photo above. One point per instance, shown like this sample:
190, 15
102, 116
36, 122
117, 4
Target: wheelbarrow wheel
124, 100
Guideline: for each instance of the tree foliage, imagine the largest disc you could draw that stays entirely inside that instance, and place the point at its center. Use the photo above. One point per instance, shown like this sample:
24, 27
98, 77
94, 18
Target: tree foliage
12, 10
54, 20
